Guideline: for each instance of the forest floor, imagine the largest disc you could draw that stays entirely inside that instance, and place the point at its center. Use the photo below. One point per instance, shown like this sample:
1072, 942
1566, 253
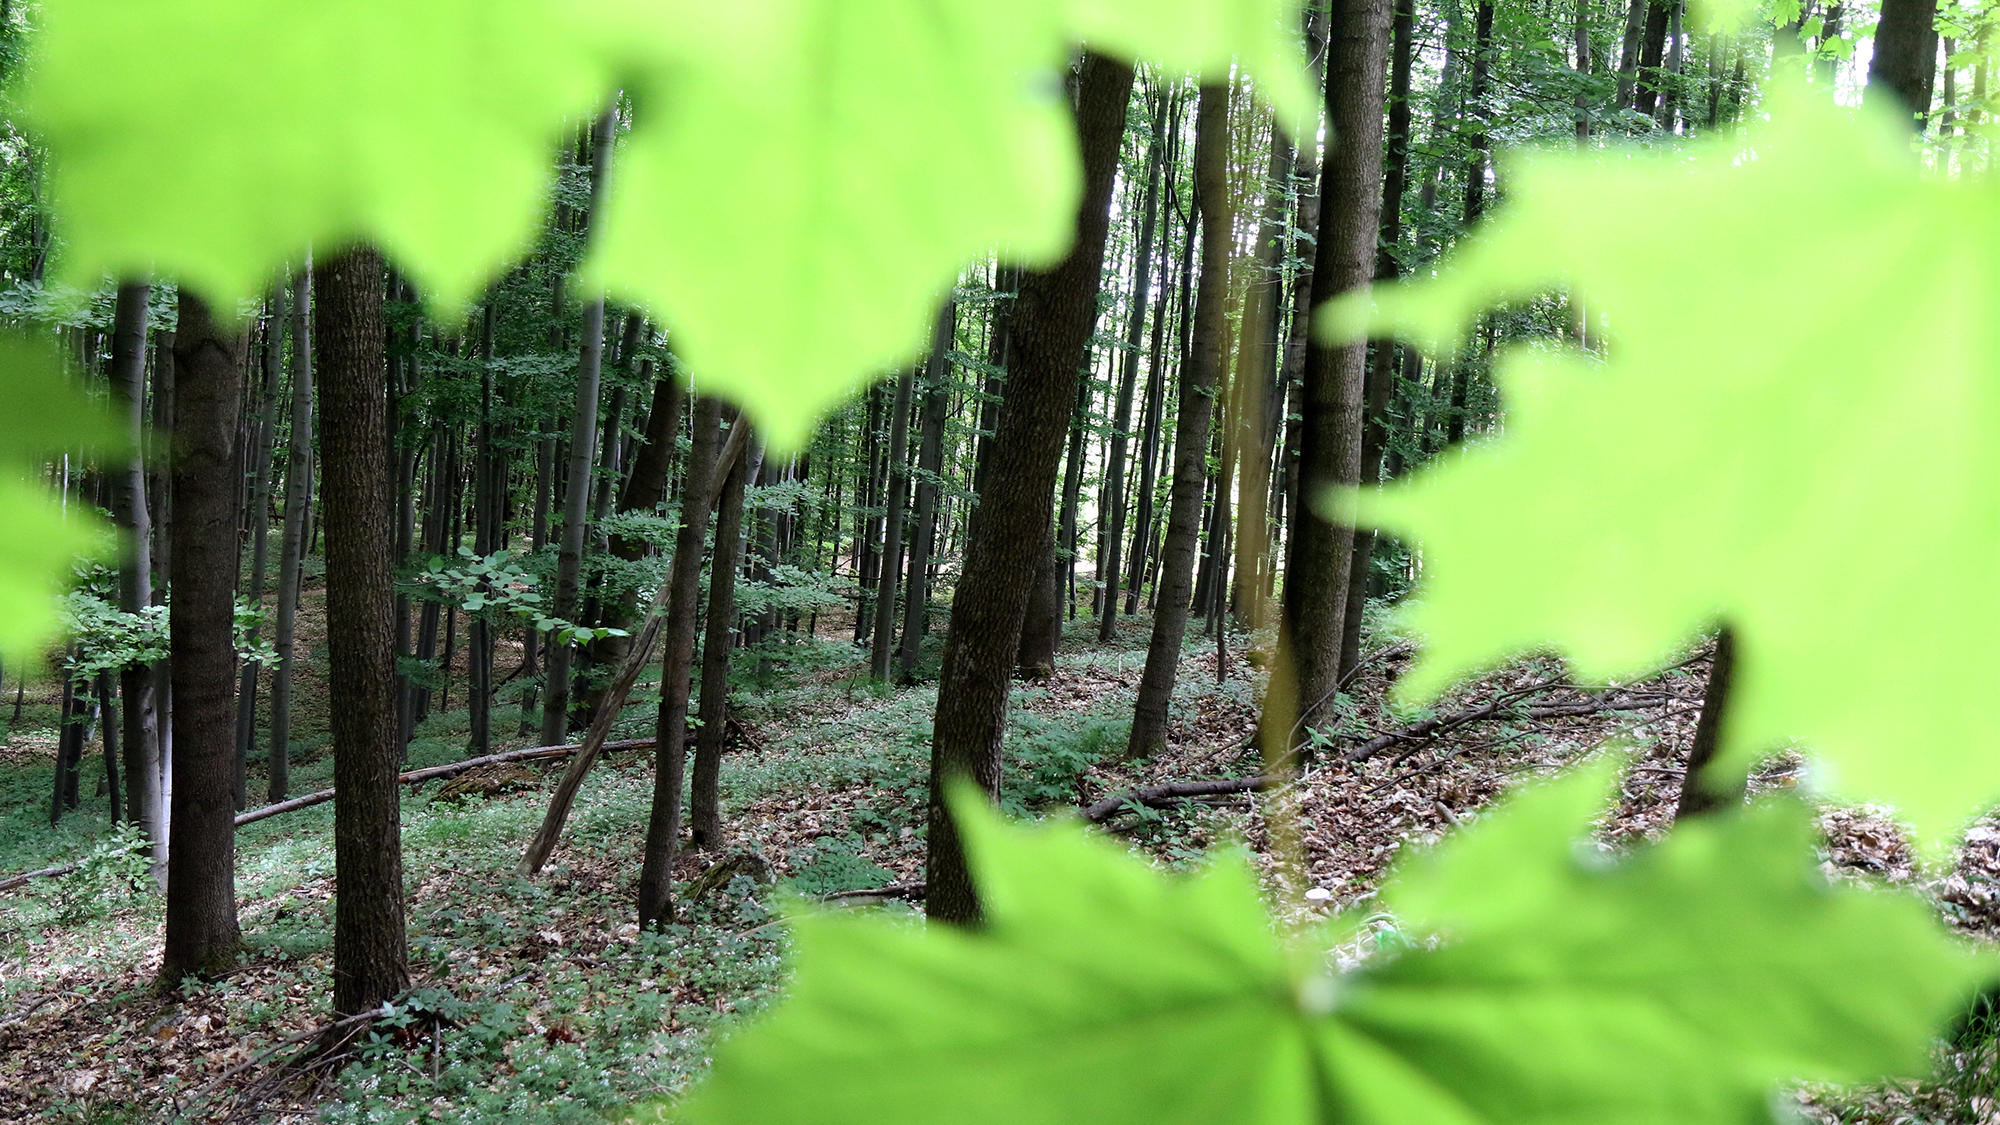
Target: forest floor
541, 997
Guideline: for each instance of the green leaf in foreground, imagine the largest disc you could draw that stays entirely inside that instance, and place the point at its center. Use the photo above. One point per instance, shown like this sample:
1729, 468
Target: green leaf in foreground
215, 140
1801, 437
44, 414
1679, 986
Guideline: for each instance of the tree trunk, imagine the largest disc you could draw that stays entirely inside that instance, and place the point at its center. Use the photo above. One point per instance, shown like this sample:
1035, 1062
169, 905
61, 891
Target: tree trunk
138, 713
1905, 58
370, 957
488, 485
582, 452
1051, 330
898, 486
202, 937
1628, 55
1320, 554
1700, 791
705, 802
663, 827
1199, 372
1652, 52
291, 549
259, 457
1381, 377
930, 466
1111, 540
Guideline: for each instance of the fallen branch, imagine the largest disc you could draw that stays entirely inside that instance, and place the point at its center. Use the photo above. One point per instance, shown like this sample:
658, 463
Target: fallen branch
909, 892
1162, 796
1501, 709
413, 777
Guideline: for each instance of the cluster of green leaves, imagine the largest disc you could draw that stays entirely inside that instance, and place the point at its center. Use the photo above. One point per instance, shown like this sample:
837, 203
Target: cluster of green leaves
1568, 986
498, 587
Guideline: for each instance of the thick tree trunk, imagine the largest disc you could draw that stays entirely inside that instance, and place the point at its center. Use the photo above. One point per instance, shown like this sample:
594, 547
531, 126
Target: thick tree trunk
705, 800
1199, 371
138, 713
1042, 622
663, 827
1320, 553
1905, 57
1051, 330
201, 933
291, 548
1652, 53
370, 956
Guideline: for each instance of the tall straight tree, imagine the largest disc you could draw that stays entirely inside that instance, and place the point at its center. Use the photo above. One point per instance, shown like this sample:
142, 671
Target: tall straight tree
898, 483
1381, 377
1319, 553
582, 452
135, 567
370, 954
1111, 539
257, 515
1905, 59
717, 645
1051, 326
291, 547
202, 936
1199, 374
663, 826
930, 467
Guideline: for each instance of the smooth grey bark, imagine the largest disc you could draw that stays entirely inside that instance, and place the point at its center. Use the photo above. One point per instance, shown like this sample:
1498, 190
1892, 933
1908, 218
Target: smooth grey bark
718, 643
930, 464
259, 458
138, 712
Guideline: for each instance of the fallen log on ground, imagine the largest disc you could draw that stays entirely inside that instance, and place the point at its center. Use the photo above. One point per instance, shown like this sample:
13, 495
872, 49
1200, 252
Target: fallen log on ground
413, 777
1161, 796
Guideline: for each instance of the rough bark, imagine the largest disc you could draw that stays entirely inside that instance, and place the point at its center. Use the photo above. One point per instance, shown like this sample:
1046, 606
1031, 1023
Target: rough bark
1200, 370
370, 956
1320, 553
202, 936
1051, 328
1900, 73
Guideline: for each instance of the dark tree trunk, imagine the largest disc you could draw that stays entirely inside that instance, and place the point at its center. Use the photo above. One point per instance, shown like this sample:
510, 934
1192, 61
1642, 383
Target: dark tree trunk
1111, 538
135, 570
1254, 390
1320, 553
489, 477
898, 484
705, 800
1652, 52
999, 353
1628, 56
663, 827
930, 465
1905, 57
263, 436
202, 935
1701, 792
291, 549
370, 957
1051, 331
1199, 372
1042, 622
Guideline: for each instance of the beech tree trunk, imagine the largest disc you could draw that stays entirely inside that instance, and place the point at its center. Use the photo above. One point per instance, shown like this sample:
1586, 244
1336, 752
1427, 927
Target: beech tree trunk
1199, 372
1320, 553
930, 464
138, 711
370, 955
291, 549
718, 644
663, 827
898, 485
1051, 329
202, 937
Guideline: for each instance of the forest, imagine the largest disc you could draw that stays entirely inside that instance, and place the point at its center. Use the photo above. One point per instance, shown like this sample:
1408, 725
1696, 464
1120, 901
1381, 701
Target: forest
1430, 562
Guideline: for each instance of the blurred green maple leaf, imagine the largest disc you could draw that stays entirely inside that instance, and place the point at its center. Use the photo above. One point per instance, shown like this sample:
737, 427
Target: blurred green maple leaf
1796, 430
1679, 986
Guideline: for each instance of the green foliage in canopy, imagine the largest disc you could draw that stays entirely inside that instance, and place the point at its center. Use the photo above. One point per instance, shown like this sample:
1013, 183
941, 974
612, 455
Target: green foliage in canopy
1796, 434
1677, 986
